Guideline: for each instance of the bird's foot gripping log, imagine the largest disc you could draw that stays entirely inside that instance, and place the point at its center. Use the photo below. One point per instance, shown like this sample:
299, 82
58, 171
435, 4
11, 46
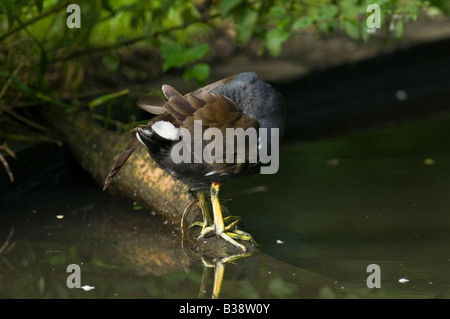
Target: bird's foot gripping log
228, 232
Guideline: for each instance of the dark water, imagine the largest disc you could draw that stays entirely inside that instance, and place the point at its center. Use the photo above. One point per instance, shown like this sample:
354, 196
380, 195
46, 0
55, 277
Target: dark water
378, 197
336, 205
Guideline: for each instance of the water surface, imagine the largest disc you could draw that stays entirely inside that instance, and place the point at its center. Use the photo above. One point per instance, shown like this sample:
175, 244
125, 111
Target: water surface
337, 205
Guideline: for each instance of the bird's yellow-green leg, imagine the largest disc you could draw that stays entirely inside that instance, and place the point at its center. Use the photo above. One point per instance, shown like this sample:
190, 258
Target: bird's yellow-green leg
207, 224
219, 225
219, 221
205, 211
229, 232
207, 221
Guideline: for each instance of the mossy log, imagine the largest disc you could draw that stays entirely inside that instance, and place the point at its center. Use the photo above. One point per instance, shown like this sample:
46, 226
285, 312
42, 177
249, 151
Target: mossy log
140, 179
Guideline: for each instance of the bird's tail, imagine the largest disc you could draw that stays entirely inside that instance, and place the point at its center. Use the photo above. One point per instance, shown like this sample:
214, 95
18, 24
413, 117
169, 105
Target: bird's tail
132, 146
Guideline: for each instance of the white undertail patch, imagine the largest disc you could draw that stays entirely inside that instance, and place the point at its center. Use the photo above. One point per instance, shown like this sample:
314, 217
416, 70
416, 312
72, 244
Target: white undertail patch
166, 130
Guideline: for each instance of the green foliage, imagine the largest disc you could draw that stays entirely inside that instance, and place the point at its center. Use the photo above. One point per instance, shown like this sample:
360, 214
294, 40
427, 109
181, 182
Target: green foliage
199, 71
301, 23
176, 56
7, 8
274, 40
34, 34
246, 20
107, 97
352, 29
226, 5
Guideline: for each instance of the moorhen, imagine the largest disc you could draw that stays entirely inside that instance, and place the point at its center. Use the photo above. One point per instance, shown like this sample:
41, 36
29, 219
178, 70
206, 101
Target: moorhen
241, 101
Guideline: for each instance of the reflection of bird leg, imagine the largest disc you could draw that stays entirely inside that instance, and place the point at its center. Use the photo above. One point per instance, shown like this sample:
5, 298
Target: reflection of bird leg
219, 271
205, 278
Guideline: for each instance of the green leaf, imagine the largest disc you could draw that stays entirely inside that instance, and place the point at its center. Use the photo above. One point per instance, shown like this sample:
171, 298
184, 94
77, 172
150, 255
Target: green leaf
199, 71
49, 99
173, 56
351, 10
327, 19
245, 21
274, 40
328, 12
301, 23
111, 61
198, 51
38, 4
225, 6
433, 11
352, 29
105, 4
399, 27
177, 56
107, 97
7, 7
278, 11
365, 34
188, 14
280, 15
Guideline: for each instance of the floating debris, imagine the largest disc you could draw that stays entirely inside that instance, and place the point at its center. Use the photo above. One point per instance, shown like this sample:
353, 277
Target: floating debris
87, 287
59, 216
428, 161
403, 280
333, 162
401, 95
279, 242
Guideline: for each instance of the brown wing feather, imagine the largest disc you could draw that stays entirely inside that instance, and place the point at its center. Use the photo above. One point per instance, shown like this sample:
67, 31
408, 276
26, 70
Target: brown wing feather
177, 105
243, 121
218, 111
152, 104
